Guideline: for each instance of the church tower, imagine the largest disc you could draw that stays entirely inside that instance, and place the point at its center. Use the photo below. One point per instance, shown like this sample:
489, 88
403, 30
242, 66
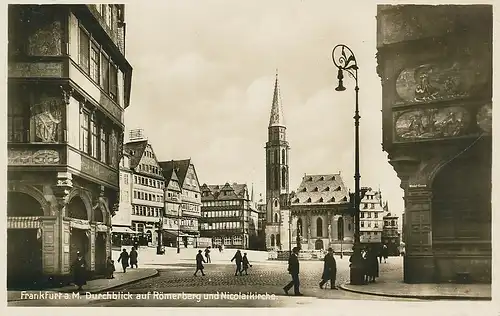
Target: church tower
277, 184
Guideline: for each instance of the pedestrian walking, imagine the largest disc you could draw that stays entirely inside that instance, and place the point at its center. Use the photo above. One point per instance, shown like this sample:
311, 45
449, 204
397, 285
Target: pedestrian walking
246, 263
79, 269
133, 258
207, 254
385, 253
239, 259
199, 263
124, 256
329, 270
293, 269
110, 268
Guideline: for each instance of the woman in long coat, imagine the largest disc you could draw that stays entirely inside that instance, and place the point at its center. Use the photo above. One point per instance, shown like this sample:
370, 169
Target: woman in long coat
79, 269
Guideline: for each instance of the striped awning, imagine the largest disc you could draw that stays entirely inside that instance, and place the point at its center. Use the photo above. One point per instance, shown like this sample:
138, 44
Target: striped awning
23, 222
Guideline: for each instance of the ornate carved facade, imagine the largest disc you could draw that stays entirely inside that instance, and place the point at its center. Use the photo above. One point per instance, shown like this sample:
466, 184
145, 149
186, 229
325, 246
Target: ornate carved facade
435, 63
62, 165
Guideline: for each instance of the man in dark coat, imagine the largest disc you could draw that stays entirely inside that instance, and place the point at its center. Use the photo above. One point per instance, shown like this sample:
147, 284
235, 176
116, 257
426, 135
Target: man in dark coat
124, 259
133, 257
293, 269
207, 254
79, 269
246, 263
371, 265
329, 270
199, 263
110, 268
239, 259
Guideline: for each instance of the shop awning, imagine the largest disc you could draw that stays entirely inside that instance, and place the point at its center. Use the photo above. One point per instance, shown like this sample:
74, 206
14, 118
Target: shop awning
123, 230
172, 234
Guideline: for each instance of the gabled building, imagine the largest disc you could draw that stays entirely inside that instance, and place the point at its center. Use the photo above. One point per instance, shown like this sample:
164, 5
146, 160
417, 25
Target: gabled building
68, 85
228, 216
190, 198
147, 191
173, 212
371, 213
321, 212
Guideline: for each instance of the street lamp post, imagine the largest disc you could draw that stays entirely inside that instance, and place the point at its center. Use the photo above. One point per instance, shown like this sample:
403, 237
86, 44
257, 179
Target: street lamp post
344, 60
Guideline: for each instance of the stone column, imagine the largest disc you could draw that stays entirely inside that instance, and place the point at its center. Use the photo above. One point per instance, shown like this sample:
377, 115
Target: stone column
61, 191
308, 227
329, 226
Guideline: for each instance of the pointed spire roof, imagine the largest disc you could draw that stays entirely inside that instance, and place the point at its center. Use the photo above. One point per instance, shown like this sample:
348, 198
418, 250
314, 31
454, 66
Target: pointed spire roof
277, 118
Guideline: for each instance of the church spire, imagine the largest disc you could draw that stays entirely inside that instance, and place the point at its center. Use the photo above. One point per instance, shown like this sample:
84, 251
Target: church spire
277, 118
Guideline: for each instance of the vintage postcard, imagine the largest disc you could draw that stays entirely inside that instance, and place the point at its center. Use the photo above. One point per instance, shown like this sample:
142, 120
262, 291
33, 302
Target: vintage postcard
248, 154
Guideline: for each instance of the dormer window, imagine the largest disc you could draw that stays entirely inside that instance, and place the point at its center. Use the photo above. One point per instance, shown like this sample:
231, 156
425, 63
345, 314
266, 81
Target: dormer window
338, 188
320, 200
315, 189
297, 200
322, 179
332, 200
344, 199
333, 178
310, 179
308, 200
327, 189
304, 189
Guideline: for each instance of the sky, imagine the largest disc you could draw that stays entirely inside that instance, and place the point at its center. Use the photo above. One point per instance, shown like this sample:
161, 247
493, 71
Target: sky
203, 83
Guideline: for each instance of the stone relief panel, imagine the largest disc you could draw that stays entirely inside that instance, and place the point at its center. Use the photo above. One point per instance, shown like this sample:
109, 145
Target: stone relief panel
34, 157
484, 118
440, 82
430, 123
46, 40
47, 116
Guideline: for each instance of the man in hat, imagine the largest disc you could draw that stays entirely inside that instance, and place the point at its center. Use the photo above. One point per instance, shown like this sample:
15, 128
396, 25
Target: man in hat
79, 269
329, 270
293, 269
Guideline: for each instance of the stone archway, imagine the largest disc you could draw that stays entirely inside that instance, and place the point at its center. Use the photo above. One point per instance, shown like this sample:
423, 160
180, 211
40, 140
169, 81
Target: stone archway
24, 245
79, 238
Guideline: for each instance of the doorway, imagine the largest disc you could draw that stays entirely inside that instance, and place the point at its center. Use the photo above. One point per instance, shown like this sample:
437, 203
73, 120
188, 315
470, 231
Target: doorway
100, 253
24, 258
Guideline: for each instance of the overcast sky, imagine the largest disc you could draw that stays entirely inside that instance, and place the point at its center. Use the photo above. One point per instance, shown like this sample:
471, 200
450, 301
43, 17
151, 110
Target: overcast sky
203, 85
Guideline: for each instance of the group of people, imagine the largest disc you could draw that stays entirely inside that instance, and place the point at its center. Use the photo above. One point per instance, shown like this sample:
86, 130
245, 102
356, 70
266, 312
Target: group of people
242, 263
80, 270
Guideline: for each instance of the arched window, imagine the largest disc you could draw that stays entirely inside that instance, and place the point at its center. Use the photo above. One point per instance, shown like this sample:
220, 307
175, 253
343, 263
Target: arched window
276, 218
283, 159
283, 178
299, 227
340, 228
276, 157
275, 203
319, 227
272, 241
278, 240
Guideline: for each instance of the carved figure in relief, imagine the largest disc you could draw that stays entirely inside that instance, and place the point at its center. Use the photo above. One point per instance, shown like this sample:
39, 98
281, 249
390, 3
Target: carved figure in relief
47, 117
424, 90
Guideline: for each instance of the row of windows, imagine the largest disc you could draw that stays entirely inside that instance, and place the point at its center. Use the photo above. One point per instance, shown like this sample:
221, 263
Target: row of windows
147, 196
368, 214
107, 13
149, 169
372, 205
368, 224
149, 182
221, 214
220, 225
223, 203
190, 207
95, 137
236, 240
390, 223
124, 177
143, 210
370, 233
95, 63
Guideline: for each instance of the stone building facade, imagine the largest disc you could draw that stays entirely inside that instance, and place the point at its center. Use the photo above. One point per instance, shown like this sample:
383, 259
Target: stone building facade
435, 63
68, 86
390, 234
322, 214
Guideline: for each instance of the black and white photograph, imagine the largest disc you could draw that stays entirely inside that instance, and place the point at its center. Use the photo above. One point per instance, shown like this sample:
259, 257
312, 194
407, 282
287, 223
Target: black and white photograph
248, 154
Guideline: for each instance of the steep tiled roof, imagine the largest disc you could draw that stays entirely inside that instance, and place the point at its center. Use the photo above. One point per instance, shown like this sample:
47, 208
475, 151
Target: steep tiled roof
233, 191
321, 189
135, 150
181, 167
170, 176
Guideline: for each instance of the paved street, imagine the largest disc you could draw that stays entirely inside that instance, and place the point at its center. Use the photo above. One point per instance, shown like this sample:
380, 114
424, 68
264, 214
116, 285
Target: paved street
266, 277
